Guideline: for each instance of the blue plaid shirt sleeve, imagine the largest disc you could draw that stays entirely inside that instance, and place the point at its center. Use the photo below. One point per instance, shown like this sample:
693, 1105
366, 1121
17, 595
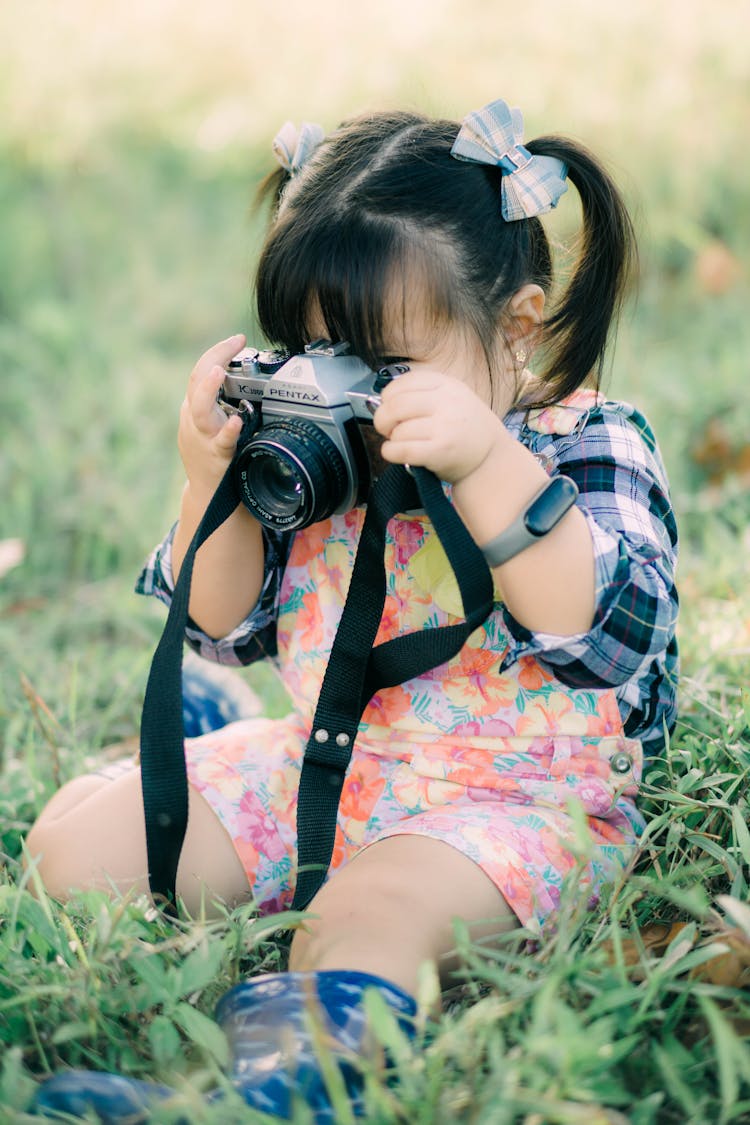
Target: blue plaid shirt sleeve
614, 460
255, 637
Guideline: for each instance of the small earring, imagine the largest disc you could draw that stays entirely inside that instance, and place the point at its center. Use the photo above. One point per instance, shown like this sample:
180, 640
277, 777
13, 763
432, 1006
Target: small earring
521, 356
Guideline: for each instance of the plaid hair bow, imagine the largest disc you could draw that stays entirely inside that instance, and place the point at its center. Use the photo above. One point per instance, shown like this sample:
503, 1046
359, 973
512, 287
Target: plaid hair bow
292, 147
530, 185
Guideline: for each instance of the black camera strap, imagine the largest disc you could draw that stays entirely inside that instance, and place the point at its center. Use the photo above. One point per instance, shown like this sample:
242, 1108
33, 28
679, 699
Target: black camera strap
356, 671
163, 774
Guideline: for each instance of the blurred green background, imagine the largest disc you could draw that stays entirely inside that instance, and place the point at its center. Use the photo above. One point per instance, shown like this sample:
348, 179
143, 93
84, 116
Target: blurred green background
132, 137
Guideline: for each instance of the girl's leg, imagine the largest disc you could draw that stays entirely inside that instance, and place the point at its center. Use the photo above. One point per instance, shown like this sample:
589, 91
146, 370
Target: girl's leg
379, 918
92, 835
392, 908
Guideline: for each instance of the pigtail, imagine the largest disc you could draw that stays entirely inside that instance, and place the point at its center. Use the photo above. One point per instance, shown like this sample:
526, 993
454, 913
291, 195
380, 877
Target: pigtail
270, 190
577, 331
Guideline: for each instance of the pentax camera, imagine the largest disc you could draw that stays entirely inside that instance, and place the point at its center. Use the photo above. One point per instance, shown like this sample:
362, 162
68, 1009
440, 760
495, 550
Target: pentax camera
307, 448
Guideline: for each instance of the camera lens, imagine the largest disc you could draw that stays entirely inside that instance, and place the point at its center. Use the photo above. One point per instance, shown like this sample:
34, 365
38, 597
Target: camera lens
291, 474
277, 482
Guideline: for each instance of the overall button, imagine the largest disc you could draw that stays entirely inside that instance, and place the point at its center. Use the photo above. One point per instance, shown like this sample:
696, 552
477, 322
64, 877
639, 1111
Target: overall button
621, 762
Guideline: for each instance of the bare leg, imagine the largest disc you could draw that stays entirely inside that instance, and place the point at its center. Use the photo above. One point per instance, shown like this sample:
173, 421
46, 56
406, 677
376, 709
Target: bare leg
382, 916
92, 835
70, 795
392, 908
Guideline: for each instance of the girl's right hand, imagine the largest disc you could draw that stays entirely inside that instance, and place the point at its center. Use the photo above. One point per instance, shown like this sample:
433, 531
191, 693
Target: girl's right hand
207, 437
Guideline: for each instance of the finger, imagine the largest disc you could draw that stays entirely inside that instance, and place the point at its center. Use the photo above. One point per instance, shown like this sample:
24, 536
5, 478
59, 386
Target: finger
412, 452
419, 428
416, 382
220, 354
226, 439
207, 415
423, 381
409, 405
392, 399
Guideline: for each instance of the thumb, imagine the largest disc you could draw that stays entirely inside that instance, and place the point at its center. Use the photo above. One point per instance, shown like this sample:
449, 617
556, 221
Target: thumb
226, 439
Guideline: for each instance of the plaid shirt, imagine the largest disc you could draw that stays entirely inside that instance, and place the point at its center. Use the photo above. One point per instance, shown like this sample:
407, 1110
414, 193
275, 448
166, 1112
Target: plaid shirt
611, 454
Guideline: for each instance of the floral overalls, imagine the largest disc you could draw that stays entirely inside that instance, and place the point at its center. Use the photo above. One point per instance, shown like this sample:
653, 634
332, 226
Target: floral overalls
532, 780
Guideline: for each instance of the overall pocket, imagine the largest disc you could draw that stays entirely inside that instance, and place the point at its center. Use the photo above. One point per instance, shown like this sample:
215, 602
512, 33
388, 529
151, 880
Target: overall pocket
598, 773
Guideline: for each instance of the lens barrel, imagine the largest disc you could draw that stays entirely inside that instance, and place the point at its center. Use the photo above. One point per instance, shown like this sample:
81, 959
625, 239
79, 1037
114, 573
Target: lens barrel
291, 474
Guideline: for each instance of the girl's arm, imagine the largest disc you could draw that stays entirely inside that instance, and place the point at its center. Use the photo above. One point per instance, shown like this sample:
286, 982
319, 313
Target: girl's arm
550, 586
625, 505
255, 637
624, 497
597, 593
229, 568
436, 420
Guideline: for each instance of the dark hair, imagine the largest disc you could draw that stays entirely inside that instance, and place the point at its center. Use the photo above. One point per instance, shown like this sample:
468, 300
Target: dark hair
382, 198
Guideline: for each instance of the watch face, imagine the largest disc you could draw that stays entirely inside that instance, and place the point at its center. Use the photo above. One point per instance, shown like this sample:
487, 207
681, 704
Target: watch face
550, 507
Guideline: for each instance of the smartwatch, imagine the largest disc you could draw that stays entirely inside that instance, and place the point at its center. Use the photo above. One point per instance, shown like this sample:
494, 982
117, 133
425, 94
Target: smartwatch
544, 511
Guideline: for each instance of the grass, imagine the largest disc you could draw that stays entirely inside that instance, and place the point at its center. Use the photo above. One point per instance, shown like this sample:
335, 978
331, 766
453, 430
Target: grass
120, 262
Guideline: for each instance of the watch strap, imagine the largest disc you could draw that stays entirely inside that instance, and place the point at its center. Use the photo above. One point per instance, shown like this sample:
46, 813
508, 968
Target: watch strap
543, 512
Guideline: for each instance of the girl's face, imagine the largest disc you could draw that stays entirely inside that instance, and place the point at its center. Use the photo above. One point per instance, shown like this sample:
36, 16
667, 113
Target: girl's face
453, 350
414, 334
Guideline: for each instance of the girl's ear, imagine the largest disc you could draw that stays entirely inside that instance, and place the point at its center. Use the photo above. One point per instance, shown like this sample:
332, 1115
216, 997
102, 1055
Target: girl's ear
525, 314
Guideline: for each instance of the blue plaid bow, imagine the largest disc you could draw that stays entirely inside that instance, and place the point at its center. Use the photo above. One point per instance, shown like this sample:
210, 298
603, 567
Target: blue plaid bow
292, 147
531, 185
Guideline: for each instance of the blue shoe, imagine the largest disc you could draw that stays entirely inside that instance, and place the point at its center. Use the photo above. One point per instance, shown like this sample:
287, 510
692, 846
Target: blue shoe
115, 1100
213, 696
277, 1026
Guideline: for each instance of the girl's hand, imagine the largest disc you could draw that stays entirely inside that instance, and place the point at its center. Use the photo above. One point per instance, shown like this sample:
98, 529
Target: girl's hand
436, 421
207, 437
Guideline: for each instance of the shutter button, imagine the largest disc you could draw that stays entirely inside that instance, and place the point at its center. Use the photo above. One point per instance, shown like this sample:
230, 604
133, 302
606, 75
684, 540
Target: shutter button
621, 762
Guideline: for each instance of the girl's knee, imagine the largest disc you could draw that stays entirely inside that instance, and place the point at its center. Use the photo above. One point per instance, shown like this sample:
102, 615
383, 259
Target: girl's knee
88, 836
44, 849
394, 907
358, 912
48, 855
69, 797
93, 837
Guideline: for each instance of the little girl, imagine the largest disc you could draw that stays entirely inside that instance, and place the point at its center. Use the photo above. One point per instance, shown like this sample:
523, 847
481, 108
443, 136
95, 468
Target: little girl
418, 240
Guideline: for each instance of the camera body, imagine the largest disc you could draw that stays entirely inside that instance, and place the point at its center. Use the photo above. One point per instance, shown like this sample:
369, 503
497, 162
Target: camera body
308, 448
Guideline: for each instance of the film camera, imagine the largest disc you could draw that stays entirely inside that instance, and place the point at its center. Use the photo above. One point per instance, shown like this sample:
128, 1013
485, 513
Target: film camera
307, 449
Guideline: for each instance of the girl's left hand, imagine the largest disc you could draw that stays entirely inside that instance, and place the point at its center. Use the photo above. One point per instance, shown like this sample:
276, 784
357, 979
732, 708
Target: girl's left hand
436, 421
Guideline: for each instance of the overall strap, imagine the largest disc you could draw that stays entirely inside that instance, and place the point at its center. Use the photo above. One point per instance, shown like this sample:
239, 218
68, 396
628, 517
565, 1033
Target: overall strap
356, 670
